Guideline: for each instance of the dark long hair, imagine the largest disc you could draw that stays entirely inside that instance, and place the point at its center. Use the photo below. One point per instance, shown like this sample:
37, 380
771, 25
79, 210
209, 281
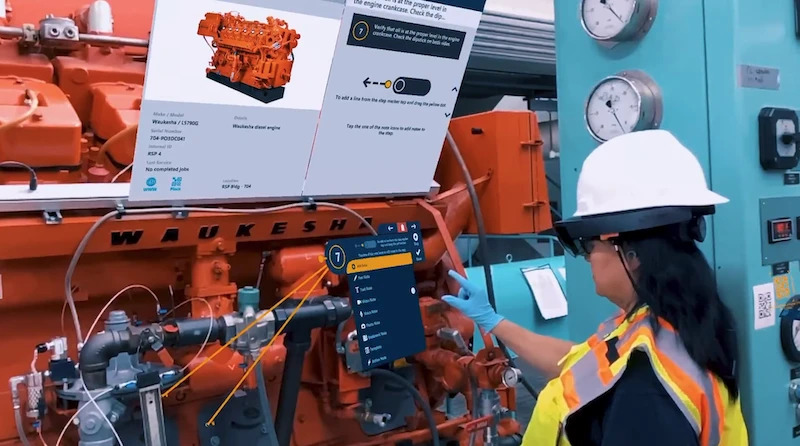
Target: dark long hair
677, 284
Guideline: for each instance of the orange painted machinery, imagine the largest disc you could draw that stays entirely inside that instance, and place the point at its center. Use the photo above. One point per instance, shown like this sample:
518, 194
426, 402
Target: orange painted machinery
121, 324
252, 57
70, 90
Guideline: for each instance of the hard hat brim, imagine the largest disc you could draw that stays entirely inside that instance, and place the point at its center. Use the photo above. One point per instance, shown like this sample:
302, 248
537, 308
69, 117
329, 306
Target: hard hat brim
586, 227
697, 199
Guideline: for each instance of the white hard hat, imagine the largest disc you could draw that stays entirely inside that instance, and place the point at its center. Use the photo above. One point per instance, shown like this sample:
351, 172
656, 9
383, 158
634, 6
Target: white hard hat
639, 181
641, 170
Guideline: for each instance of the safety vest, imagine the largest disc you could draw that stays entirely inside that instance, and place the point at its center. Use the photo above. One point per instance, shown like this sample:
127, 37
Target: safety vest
587, 373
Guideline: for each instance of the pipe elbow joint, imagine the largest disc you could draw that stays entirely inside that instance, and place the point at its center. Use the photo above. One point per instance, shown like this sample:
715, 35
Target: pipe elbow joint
96, 354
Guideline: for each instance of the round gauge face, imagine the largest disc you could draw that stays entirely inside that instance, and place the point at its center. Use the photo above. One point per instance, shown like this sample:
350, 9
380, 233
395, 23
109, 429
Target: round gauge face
606, 19
796, 334
790, 329
613, 109
510, 377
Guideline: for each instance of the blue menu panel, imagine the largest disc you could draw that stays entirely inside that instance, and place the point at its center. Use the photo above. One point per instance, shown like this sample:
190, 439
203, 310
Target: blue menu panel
383, 294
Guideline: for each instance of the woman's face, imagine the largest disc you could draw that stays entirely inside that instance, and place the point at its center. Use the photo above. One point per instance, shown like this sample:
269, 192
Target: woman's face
608, 272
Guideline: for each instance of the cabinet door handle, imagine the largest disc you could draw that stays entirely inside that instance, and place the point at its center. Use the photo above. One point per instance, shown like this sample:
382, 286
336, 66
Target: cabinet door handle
797, 18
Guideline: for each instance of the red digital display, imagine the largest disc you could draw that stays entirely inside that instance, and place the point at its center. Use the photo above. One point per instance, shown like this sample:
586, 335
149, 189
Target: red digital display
780, 230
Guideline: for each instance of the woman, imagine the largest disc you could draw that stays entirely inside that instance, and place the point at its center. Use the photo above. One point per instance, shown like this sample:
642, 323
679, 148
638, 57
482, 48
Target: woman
662, 372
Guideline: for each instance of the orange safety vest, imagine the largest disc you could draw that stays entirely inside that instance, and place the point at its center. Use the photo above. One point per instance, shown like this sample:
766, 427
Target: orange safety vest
587, 373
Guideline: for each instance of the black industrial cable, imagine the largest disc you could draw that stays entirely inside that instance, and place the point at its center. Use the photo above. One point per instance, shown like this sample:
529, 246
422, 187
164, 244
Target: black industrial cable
482, 247
34, 181
417, 396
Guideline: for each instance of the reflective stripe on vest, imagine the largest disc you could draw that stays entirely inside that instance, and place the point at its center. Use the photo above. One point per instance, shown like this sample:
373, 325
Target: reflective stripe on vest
592, 368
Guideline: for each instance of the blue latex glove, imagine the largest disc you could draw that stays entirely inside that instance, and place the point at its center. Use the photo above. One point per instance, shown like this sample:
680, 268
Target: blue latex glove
473, 301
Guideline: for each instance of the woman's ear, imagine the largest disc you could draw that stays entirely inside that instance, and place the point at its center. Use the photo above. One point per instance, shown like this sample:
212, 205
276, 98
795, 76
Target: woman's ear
632, 260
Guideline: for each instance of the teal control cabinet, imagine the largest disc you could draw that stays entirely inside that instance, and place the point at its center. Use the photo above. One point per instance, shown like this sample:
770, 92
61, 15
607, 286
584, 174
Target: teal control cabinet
724, 77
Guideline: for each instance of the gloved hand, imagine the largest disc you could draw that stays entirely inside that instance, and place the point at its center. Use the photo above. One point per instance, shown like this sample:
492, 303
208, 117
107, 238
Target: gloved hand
473, 301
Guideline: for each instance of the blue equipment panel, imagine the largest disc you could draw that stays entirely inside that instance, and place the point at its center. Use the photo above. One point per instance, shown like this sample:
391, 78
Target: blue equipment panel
717, 64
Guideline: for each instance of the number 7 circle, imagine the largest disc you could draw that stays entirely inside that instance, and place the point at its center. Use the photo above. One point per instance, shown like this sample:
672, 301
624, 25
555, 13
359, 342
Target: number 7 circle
336, 256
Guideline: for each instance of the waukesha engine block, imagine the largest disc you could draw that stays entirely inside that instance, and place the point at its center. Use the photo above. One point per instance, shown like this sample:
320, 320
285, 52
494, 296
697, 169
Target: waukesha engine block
215, 329
70, 92
252, 57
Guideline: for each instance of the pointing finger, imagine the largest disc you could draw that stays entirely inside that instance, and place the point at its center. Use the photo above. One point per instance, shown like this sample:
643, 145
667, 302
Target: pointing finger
460, 279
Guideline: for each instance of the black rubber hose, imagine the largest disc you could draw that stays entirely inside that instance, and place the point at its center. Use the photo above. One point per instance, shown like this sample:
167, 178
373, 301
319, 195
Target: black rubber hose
192, 332
482, 247
33, 182
417, 396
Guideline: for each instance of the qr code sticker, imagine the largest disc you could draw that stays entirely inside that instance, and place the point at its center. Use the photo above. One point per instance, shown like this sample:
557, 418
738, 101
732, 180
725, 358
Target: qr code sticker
764, 305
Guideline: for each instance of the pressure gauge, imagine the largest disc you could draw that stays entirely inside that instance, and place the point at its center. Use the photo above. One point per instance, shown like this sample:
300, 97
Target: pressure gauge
511, 377
614, 21
790, 329
626, 102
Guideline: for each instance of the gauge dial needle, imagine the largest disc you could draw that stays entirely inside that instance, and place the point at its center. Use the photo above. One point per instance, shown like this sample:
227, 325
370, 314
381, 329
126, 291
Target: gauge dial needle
605, 3
613, 112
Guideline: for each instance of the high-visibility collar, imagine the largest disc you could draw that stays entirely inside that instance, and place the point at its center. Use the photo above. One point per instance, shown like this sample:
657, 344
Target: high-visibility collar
589, 373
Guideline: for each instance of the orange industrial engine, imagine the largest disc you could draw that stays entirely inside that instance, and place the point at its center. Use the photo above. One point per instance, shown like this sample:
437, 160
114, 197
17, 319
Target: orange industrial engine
133, 326
252, 57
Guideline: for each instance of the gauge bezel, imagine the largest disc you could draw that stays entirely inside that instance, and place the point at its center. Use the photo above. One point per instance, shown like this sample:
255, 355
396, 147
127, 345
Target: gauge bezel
642, 19
788, 318
513, 379
648, 96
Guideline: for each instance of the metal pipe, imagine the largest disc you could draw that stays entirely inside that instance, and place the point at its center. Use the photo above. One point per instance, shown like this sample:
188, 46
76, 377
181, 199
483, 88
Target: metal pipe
265, 409
98, 351
18, 420
96, 39
321, 313
10, 32
14, 382
509, 15
297, 344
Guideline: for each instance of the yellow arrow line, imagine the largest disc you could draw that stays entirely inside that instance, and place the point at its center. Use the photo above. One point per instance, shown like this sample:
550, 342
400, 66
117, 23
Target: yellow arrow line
263, 352
252, 324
